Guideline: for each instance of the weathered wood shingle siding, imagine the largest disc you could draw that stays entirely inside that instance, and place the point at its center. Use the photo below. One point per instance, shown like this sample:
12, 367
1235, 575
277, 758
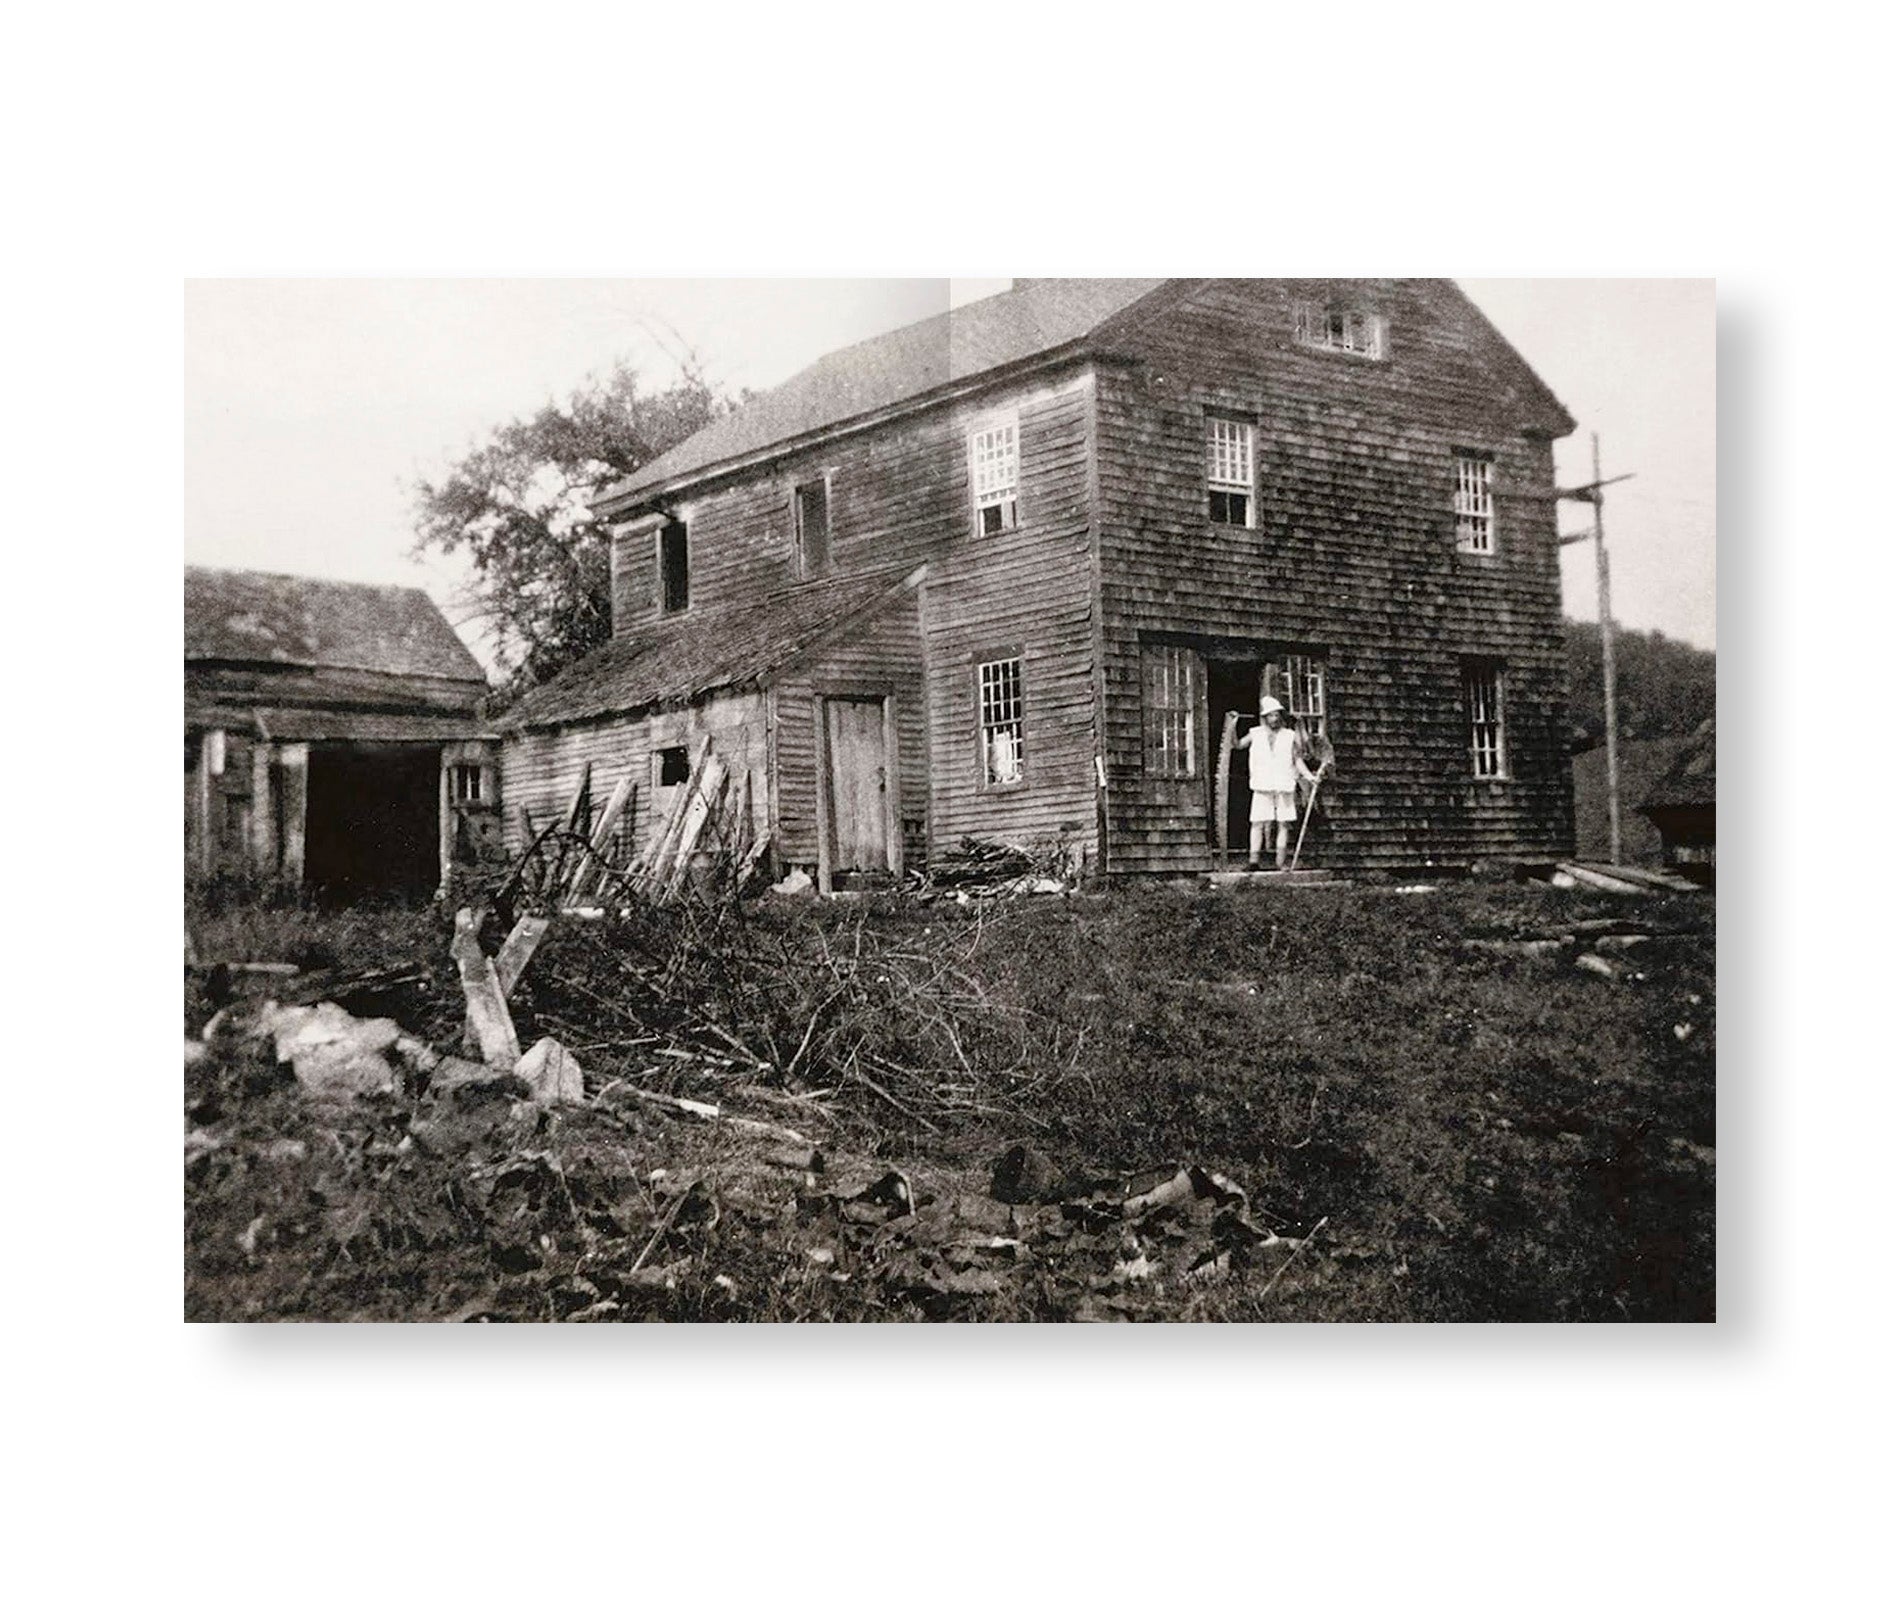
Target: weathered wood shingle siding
1355, 560
900, 496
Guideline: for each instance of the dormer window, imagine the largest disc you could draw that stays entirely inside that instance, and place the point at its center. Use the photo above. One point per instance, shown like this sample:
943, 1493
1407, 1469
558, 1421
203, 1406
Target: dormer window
1230, 472
1353, 333
994, 476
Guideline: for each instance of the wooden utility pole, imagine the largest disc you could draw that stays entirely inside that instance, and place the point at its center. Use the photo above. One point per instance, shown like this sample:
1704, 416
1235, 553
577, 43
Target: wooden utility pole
1606, 622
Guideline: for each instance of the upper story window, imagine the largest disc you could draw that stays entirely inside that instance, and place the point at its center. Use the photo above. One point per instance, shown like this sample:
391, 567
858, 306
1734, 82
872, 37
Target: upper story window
1476, 518
994, 476
1484, 711
673, 567
1355, 333
811, 522
1230, 472
999, 688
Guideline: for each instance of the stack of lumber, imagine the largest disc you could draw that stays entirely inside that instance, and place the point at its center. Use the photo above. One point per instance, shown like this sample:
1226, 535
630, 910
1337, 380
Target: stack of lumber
1627, 880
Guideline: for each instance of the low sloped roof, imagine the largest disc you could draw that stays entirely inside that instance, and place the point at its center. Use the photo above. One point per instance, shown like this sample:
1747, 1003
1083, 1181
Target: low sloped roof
907, 363
274, 618
683, 659
1690, 780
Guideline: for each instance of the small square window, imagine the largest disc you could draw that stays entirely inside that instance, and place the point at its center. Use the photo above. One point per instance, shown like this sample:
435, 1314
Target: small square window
465, 783
994, 476
1230, 472
673, 768
1349, 330
1472, 507
1000, 727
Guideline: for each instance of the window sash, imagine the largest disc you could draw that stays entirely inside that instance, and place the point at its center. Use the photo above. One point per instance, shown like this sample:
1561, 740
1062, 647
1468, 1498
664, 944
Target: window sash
1484, 709
1303, 691
995, 473
1000, 720
1474, 508
1172, 707
1351, 332
465, 782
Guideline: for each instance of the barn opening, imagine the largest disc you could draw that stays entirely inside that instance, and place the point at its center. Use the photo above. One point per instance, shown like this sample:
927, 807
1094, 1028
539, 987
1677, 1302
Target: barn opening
372, 822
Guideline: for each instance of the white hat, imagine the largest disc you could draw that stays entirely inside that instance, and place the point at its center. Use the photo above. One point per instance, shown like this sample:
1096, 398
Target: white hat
1268, 703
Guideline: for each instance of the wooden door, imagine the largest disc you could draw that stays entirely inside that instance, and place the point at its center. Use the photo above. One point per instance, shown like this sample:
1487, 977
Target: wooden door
857, 781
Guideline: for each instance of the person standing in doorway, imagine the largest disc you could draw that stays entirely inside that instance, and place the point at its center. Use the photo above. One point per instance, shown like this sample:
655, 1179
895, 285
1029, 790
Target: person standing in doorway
1276, 765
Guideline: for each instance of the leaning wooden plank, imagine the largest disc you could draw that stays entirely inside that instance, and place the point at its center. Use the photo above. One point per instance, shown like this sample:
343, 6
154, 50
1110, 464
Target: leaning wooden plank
1645, 875
699, 807
488, 1018
588, 870
1592, 879
666, 829
517, 950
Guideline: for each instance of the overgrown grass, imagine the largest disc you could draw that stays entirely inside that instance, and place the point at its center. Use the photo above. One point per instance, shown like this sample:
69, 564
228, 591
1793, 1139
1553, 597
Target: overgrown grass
1489, 1135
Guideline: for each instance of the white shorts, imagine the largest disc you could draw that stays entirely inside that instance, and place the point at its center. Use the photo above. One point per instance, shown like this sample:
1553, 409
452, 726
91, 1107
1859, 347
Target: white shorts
1274, 805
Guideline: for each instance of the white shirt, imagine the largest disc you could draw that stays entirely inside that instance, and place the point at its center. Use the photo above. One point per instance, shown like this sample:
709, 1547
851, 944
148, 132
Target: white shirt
1272, 759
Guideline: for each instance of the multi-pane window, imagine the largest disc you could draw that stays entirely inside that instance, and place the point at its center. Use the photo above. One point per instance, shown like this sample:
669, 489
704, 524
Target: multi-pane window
999, 688
1230, 472
673, 590
465, 782
1472, 507
811, 515
1484, 711
1171, 706
1357, 333
994, 476
1302, 689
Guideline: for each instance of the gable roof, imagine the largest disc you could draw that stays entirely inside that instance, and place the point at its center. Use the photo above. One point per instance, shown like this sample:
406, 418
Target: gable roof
1690, 780
679, 660
1035, 320
268, 617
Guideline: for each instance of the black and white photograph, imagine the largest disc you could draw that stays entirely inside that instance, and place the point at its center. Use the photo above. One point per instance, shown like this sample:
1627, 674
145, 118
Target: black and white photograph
950, 800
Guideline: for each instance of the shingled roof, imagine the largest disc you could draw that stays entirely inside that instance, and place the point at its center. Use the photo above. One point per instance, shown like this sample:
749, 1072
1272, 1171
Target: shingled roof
703, 653
906, 364
246, 617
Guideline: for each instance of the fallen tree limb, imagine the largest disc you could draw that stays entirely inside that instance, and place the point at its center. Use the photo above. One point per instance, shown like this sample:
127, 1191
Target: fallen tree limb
707, 1112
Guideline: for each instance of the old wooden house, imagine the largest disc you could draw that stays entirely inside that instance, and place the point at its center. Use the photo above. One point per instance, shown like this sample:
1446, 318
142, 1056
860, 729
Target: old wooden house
1681, 804
332, 738
1002, 573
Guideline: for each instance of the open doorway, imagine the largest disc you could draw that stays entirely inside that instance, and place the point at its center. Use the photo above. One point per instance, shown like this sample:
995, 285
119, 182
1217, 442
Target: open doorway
372, 821
1232, 685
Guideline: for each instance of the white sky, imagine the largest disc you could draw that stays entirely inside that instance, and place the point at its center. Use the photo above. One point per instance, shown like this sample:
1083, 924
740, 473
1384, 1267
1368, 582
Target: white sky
311, 405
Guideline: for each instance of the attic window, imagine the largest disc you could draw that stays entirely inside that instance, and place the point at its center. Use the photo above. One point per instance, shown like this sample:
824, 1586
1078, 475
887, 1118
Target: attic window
1230, 472
1353, 333
673, 766
673, 567
811, 521
1472, 506
993, 476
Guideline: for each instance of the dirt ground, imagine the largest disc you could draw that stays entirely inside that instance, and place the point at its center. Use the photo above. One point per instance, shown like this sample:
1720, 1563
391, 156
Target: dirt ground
1480, 1102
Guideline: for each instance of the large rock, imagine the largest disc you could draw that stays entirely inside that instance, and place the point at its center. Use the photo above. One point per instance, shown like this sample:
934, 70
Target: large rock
330, 1051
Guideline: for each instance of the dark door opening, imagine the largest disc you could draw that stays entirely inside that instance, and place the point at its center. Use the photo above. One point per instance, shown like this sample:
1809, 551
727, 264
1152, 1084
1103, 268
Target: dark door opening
1231, 686
372, 822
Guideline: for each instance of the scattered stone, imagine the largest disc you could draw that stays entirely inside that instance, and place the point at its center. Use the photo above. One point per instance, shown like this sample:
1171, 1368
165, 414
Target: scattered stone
797, 881
1024, 1176
1597, 965
552, 1073
1682, 1031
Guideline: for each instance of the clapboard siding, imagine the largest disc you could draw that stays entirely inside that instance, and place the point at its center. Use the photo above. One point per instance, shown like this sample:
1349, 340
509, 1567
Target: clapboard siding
885, 657
541, 768
900, 498
1354, 560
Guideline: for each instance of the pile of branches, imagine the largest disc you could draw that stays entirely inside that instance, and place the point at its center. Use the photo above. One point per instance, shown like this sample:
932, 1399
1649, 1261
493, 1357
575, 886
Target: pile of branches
895, 1013
978, 869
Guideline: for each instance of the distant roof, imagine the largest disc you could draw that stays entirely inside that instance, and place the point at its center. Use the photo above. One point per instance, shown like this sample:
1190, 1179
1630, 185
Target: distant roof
1034, 320
1690, 780
684, 659
316, 622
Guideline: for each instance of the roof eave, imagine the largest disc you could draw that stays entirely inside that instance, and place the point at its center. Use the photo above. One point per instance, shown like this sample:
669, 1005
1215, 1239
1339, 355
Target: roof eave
617, 501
